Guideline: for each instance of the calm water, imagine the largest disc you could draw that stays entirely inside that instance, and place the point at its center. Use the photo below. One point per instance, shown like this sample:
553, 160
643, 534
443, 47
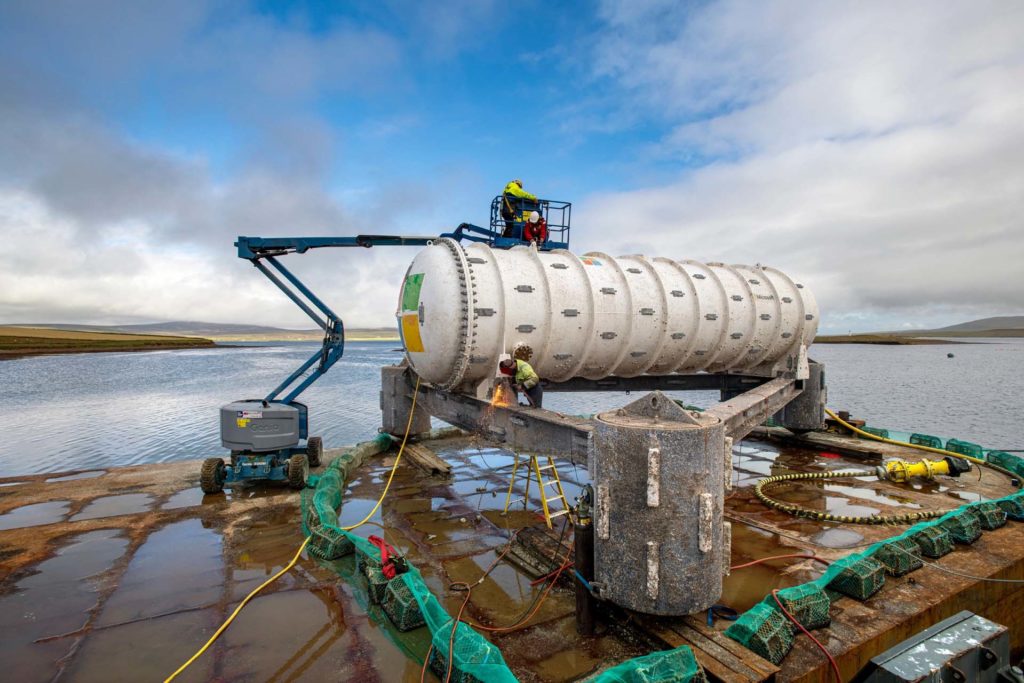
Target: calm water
107, 409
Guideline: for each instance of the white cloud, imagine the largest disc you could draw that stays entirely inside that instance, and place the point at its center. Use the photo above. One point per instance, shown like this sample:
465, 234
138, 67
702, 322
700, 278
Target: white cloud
876, 149
126, 274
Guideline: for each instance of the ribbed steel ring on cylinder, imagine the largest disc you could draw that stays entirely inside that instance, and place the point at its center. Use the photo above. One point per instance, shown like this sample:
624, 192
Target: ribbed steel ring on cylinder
595, 315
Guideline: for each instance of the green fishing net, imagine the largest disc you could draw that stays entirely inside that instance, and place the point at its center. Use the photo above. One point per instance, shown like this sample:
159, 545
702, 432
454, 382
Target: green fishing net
965, 448
764, 631
808, 604
671, 666
405, 599
926, 440
899, 556
933, 541
859, 577
962, 526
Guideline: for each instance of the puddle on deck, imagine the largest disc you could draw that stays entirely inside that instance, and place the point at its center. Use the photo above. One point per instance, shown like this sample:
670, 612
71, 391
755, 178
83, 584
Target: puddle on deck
35, 514
178, 568
185, 499
110, 506
54, 600
838, 538
743, 588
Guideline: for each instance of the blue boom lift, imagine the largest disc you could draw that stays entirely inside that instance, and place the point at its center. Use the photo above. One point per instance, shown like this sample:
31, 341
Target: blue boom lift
263, 435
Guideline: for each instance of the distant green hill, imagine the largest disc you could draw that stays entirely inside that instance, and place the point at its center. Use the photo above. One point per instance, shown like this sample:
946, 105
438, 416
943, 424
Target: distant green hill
1003, 326
1006, 322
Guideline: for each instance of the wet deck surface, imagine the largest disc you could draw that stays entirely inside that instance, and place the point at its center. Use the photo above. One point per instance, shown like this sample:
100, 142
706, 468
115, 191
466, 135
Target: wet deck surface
122, 575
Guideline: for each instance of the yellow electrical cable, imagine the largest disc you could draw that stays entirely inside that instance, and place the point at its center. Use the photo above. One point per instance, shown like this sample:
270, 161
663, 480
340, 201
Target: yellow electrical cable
275, 577
238, 609
903, 443
398, 458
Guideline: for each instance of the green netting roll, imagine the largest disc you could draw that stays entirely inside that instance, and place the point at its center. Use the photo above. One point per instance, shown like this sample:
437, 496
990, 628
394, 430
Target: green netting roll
764, 631
671, 666
965, 448
926, 440
808, 604
884, 433
933, 541
859, 577
475, 659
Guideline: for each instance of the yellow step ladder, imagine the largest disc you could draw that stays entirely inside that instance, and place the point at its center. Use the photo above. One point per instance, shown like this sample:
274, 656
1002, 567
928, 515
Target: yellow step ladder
534, 468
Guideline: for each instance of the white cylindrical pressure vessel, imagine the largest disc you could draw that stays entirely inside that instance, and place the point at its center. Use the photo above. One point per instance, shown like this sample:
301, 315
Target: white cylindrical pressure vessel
594, 315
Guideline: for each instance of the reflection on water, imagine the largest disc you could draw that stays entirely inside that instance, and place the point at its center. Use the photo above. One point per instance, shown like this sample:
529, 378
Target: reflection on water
109, 506
55, 599
34, 514
917, 388
111, 409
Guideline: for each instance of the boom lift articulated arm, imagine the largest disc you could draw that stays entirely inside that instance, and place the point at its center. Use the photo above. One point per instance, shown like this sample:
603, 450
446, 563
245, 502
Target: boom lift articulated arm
264, 252
263, 435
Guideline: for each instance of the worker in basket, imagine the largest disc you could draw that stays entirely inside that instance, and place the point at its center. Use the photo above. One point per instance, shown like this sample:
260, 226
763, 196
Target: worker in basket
510, 197
524, 379
536, 229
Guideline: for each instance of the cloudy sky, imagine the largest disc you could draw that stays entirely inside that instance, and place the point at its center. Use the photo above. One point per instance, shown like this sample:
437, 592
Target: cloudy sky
876, 149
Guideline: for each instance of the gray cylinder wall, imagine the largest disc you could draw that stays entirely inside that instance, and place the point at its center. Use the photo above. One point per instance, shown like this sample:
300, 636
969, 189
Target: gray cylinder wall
807, 411
659, 545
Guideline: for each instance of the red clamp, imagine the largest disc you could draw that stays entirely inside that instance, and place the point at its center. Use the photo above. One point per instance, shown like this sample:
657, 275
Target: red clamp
387, 554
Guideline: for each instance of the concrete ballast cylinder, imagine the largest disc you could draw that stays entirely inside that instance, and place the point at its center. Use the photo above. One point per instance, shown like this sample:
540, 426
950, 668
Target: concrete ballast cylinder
659, 541
594, 315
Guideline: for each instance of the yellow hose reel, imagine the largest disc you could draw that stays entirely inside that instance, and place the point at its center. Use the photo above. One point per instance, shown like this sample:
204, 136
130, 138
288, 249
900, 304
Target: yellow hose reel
900, 471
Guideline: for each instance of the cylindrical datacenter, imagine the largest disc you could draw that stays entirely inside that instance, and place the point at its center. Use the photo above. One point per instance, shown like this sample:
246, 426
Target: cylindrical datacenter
594, 315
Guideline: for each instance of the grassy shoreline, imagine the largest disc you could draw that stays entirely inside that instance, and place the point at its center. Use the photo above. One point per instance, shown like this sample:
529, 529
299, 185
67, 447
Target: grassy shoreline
19, 342
881, 339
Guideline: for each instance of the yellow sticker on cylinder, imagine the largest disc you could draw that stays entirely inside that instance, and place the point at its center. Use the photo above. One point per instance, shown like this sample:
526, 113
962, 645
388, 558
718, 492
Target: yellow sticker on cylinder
242, 422
411, 333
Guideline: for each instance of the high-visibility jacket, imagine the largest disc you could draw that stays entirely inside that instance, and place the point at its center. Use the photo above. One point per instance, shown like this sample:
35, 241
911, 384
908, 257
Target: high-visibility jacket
516, 191
525, 375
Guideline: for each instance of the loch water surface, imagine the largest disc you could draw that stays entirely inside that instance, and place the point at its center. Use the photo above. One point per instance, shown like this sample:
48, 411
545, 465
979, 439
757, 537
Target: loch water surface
78, 411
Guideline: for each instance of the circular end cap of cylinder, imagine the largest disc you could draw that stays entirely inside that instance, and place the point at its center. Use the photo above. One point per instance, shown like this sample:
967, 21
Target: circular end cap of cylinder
657, 410
433, 312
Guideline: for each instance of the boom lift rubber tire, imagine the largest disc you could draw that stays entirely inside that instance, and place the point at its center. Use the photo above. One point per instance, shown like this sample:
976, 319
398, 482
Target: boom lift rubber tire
298, 470
211, 476
315, 450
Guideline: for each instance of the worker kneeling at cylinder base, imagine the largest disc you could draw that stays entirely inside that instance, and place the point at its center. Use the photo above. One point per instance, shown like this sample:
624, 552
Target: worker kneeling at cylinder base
524, 379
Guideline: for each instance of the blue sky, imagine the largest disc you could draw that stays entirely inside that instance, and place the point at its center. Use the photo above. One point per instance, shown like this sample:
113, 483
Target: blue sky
874, 149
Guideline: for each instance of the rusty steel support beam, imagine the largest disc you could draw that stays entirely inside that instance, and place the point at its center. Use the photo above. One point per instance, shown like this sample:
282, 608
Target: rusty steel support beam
528, 430
754, 407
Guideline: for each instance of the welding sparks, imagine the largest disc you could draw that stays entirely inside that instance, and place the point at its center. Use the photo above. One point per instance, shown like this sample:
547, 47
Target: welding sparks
503, 395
